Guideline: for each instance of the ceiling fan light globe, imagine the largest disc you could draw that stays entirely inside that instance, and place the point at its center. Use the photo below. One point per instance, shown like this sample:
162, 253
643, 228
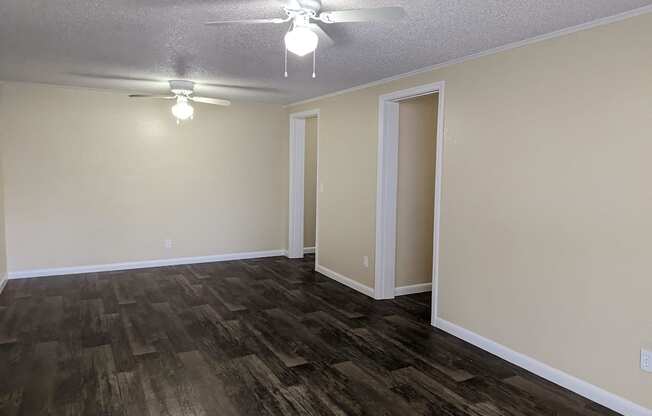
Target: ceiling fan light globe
301, 41
182, 110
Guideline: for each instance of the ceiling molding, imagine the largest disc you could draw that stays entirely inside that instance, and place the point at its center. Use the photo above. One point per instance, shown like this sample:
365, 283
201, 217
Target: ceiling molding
552, 35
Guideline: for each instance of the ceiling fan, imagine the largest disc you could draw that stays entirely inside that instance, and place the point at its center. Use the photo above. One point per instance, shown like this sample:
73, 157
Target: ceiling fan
183, 93
304, 33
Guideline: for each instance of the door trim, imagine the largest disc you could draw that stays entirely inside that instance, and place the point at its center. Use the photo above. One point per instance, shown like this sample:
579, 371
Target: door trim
296, 185
387, 183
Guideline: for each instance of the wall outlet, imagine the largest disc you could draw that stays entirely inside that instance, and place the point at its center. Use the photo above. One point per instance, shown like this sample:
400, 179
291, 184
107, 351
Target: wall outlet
646, 360
321, 187
167, 243
365, 261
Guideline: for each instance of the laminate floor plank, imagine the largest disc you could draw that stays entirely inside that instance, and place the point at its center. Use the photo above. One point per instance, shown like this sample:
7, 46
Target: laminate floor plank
211, 388
370, 392
38, 395
16, 360
249, 337
432, 397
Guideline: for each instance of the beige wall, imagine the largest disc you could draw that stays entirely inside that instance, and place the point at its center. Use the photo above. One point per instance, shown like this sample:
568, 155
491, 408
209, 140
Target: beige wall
416, 190
96, 177
546, 200
310, 184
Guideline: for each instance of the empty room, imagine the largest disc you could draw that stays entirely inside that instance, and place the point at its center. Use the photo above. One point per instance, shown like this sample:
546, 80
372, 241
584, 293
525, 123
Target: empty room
325, 207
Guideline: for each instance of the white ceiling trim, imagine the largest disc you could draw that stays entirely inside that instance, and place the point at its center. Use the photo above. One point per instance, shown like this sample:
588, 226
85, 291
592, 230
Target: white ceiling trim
559, 33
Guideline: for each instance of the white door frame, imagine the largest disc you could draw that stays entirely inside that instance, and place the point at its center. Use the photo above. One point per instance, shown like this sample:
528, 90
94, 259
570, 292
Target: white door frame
386, 202
297, 173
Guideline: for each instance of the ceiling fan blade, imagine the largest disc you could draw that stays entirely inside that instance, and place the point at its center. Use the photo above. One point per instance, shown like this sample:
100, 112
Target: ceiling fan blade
383, 14
159, 97
112, 77
237, 87
325, 40
214, 101
246, 21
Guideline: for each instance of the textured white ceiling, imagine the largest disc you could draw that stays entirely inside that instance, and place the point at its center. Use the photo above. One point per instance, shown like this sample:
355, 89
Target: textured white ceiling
86, 42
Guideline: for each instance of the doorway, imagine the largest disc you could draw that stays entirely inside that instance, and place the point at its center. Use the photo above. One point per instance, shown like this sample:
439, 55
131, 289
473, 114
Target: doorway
415, 194
310, 187
304, 159
387, 192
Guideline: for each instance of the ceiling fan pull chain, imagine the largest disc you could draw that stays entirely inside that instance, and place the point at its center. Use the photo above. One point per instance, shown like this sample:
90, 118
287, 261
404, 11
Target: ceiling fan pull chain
286, 62
314, 63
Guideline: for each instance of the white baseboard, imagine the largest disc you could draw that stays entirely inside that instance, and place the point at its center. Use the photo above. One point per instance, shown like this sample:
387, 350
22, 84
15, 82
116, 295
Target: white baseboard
581, 387
22, 274
412, 289
309, 250
366, 290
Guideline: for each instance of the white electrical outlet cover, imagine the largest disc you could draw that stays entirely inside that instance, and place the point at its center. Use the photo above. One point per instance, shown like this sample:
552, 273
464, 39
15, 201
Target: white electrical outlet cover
646, 360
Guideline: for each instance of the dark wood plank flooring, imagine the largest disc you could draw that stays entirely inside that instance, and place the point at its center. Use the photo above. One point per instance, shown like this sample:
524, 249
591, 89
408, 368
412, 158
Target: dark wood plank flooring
255, 337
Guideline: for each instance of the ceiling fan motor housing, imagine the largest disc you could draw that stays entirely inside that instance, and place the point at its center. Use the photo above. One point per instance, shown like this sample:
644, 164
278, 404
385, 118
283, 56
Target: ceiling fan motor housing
179, 87
310, 5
